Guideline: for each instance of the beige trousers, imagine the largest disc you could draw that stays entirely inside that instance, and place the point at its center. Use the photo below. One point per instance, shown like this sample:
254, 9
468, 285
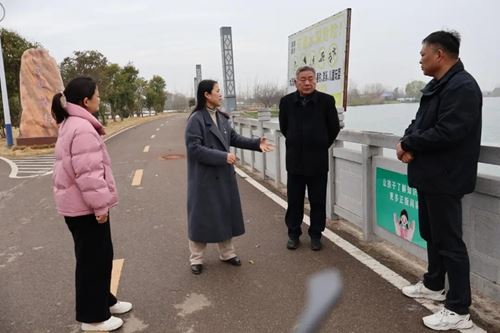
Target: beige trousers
226, 251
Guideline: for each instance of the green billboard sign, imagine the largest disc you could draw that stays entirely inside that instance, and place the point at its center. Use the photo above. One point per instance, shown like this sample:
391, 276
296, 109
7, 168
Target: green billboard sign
397, 206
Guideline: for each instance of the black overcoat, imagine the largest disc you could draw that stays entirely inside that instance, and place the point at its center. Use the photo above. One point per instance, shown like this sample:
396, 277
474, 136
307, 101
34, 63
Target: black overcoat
214, 208
309, 131
445, 136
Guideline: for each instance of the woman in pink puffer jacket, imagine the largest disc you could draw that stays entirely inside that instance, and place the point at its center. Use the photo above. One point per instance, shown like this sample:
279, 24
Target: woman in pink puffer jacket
84, 191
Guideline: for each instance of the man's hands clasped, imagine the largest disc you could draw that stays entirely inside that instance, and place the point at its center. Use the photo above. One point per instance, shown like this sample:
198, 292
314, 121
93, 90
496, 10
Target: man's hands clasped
403, 156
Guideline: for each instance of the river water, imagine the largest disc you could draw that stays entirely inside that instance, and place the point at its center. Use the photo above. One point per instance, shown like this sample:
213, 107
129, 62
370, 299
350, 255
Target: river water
395, 118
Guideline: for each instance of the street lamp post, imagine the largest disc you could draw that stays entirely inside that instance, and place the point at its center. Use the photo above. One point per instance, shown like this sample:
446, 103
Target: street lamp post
3, 86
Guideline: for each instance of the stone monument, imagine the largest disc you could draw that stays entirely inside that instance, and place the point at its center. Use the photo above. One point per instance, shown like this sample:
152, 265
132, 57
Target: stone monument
39, 80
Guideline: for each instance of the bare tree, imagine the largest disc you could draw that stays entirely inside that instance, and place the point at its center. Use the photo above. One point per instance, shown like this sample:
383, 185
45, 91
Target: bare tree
176, 101
268, 94
413, 89
374, 90
353, 91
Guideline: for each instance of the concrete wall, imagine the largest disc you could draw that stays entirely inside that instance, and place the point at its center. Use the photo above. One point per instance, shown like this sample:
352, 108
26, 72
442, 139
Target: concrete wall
351, 195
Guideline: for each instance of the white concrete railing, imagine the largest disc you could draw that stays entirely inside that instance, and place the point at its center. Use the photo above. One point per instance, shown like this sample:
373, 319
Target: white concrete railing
351, 195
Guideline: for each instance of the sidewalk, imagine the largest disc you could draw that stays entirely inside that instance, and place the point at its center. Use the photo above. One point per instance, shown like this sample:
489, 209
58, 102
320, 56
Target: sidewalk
341, 247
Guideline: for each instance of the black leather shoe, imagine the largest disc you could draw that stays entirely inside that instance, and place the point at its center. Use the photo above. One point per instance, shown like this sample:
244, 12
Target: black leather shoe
235, 261
196, 269
293, 243
316, 244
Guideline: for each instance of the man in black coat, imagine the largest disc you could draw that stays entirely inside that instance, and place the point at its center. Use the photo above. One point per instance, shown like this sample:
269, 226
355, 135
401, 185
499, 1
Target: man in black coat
310, 123
441, 147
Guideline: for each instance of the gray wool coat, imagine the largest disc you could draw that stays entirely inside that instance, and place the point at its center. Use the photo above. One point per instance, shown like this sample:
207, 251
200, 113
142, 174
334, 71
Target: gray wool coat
214, 208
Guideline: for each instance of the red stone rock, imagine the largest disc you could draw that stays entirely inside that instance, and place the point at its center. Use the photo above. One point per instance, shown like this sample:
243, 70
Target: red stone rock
40, 79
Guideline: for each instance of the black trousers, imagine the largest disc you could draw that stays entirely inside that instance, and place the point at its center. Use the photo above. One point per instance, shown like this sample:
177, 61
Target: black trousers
440, 219
296, 190
94, 263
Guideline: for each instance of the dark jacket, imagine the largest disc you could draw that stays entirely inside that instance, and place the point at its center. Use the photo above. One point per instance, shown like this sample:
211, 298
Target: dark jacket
445, 136
214, 208
309, 129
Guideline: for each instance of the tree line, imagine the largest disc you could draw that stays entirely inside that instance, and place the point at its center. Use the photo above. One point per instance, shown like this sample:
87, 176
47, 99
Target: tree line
13, 47
265, 94
269, 94
376, 93
123, 91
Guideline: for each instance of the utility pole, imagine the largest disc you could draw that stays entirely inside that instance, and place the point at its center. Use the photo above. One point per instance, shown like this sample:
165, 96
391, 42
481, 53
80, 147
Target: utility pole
3, 86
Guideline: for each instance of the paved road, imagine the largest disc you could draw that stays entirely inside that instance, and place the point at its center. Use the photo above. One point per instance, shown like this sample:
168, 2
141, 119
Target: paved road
265, 294
29, 167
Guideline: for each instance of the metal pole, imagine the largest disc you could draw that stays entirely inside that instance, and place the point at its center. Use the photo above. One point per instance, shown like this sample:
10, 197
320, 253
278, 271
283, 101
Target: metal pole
5, 98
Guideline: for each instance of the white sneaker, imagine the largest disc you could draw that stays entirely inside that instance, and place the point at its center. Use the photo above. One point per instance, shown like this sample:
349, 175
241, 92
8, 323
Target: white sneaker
447, 320
418, 290
113, 323
120, 307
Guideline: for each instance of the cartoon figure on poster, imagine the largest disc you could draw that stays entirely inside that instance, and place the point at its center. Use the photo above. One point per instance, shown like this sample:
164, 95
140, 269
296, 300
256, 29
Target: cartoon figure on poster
397, 206
404, 228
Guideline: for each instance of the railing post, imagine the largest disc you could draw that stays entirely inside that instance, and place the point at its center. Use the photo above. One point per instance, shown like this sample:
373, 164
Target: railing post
264, 115
233, 125
252, 153
240, 132
277, 157
330, 190
368, 198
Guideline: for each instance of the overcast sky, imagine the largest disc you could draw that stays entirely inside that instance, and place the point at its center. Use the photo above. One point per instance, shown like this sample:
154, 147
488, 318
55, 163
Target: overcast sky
169, 38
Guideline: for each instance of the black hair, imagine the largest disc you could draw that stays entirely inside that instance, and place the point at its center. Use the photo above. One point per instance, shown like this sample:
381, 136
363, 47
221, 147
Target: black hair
203, 87
75, 92
449, 41
404, 212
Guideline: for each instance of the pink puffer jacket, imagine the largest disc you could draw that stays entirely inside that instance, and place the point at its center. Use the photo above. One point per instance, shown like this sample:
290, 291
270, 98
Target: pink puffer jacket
82, 181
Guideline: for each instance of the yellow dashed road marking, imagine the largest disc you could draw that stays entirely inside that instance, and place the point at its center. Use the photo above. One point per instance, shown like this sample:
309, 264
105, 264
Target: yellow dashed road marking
115, 275
115, 279
136, 181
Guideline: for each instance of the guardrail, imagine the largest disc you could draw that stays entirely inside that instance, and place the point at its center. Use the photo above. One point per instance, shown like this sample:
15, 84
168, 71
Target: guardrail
355, 159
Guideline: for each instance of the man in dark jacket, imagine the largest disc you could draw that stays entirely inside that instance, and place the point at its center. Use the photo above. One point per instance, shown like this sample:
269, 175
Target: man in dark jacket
310, 123
441, 147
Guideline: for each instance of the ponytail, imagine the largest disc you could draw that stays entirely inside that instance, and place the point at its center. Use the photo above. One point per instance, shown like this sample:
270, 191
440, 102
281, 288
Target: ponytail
58, 111
75, 92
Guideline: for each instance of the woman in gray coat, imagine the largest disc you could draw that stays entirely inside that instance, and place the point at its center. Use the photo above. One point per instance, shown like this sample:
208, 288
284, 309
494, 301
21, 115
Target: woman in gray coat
214, 208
